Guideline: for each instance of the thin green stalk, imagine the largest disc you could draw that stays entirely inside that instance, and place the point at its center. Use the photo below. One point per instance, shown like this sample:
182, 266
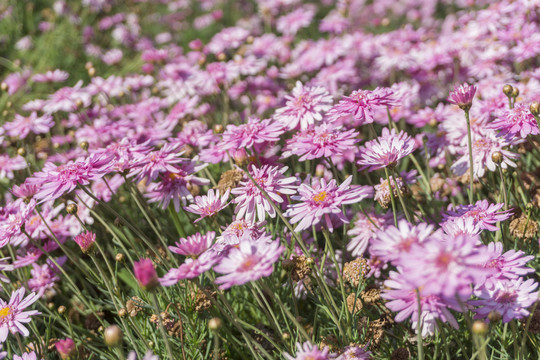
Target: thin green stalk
400, 196
504, 188
471, 164
419, 328
394, 210
161, 327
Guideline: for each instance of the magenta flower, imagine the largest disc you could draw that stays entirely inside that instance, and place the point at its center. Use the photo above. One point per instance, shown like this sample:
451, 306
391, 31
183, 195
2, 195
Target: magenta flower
190, 269
509, 265
145, 273
21, 126
256, 131
66, 348
403, 299
208, 205
323, 199
290, 23
325, 140
194, 245
482, 212
462, 96
86, 241
393, 242
386, 150
250, 261
10, 164
51, 77
43, 279
510, 298
446, 266
12, 317
304, 107
308, 351
364, 231
516, 122
360, 106
251, 202
164, 160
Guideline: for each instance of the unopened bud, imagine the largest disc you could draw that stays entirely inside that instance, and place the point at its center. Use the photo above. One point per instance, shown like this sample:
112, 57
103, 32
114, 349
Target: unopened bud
535, 108
119, 257
113, 335
480, 328
221, 56
214, 324
72, 209
515, 92
218, 128
9, 104
92, 72
4, 86
497, 157
84, 145
507, 89
88, 65
61, 309
122, 313
285, 336
494, 317
21, 151
79, 103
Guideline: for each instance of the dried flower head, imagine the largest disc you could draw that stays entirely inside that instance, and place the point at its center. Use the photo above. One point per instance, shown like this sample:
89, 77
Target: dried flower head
356, 271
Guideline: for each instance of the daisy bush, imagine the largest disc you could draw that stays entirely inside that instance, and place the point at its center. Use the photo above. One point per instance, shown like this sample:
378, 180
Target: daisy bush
269, 179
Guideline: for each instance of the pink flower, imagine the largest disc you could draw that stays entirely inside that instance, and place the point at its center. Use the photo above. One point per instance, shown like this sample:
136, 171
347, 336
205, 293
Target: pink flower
26, 356
113, 56
462, 96
190, 269
85, 241
364, 231
10, 164
323, 199
403, 299
208, 205
51, 76
290, 23
509, 265
252, 203
482, 213
145, 274
66, 348
360, 106
355, 353
386, 150
308, 351
304, 107
250, 261
12, 317
43, 278
516, 122
325, 140
194, 245
150, 165
21, 126
510, 298
256, 131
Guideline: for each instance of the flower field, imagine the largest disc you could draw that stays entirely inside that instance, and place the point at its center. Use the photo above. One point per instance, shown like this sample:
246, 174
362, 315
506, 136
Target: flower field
269, 179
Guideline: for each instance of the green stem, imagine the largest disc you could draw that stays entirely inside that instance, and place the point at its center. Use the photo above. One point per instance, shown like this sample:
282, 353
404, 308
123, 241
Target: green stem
394, 210
471, 166
419, 328
161, 327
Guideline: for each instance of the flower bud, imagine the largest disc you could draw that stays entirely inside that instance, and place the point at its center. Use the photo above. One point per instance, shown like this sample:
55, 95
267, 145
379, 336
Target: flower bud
85, 241
497, 157
218, 129
92, 72
66, 348
535, 108
479, 328
119, 257
72, 209
21, 151
113, 335
122, 313
507, 89
61, 309
515, 92
494, 317
214, 324
84, 145
4, 86
146, 274
221, 56
286, 336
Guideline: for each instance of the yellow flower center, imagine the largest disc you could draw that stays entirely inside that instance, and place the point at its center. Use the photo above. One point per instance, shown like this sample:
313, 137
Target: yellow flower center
320, 197
4, 312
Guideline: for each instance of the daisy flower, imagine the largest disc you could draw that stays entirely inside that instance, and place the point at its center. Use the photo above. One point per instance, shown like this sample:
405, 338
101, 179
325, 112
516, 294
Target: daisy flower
256, 131
85, 241
355, 353
516, 122
290, 23
150, 165
250, 261
325, 140
148, 356
360, 105
364, 231
462, 96
403, 299
323, 199
304, 107
483, 214
509, 265
252, 203
51, 76
510, 298
308, 351
21, 126
12, 316
194, 245
10, 164
208, 205
386, 150
26, 356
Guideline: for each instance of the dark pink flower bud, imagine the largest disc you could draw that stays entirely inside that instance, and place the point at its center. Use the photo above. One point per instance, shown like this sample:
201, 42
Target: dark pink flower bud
66, 348
146, 274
